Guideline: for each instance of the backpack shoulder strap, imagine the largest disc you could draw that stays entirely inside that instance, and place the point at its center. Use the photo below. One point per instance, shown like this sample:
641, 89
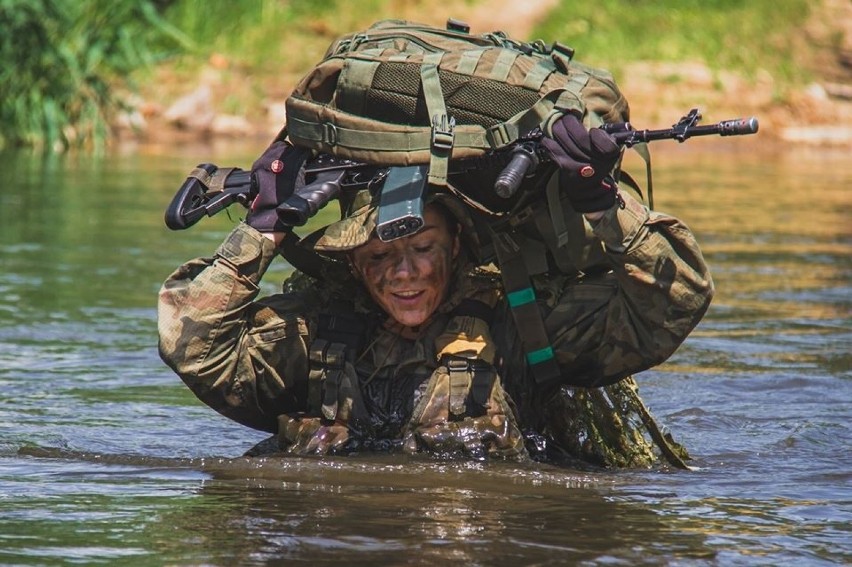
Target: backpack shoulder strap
520, 295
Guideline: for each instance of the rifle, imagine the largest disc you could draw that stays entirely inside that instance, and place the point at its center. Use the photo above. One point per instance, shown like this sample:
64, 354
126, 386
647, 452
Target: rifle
526, 155
209, 189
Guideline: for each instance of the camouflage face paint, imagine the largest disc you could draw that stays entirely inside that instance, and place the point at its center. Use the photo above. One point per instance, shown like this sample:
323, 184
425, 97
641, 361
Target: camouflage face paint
409, 277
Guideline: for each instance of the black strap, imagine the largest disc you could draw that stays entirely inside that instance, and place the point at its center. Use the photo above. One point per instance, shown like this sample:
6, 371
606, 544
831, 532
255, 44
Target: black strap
474, 308
521, 297
305, 259
340, 336
340, 324
471, 381
316, 376
334, 361
481, 384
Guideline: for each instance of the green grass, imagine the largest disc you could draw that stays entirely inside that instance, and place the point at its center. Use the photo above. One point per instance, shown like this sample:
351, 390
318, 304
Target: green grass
746, 35
274, 35
61, 62
65, 65
743, 35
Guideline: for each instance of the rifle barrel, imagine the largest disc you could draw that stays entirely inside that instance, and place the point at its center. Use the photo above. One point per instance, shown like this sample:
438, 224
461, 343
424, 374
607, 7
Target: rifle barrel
625, 134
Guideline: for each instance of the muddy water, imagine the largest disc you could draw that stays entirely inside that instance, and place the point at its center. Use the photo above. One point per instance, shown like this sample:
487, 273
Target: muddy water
106, 458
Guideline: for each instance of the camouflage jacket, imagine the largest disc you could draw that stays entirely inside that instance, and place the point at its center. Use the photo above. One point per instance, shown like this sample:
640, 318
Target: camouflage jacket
250, 358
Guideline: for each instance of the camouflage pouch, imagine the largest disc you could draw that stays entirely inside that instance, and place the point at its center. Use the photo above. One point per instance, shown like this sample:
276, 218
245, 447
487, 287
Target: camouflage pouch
334, 399
610, 427
464, 412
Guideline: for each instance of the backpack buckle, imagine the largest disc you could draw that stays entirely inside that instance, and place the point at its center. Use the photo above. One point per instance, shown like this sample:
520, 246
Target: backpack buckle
443, 134
329, 133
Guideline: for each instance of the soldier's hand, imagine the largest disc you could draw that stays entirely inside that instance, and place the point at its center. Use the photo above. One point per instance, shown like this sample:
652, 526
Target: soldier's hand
277, 174
586, 159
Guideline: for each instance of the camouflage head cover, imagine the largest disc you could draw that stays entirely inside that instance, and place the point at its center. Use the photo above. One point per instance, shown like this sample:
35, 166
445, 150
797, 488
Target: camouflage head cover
354, 229
358, 224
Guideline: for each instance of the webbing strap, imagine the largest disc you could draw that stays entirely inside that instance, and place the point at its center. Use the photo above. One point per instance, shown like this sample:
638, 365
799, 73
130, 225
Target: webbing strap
202, 175
443, 125
471, 382
550, 221
503, 64
316, 375
382, 138
460, 380
538, 74
645, 153
212, 181
548, 107
355, 81
468, 61
521, 297
327, 361
481, 385
557, 215
469, 307
335, 359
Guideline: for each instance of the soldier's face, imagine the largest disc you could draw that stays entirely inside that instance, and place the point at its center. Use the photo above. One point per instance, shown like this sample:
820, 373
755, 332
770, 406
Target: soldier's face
409, 277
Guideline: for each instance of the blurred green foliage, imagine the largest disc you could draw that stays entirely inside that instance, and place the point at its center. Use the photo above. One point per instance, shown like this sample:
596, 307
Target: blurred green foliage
65, 65
279, 35
744, 35
62, 61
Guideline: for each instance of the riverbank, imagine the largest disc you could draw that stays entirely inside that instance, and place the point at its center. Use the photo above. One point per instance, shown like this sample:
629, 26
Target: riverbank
179, 109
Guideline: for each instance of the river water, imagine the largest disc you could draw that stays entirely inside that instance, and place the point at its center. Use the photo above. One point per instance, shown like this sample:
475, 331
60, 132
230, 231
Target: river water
105, 457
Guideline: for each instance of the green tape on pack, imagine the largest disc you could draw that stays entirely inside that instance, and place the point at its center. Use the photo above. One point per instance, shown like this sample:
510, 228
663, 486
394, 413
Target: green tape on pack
521, 297
541, 355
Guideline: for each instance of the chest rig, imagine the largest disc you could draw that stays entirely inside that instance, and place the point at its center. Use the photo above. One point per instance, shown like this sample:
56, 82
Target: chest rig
463, 348
457, 408
332, 382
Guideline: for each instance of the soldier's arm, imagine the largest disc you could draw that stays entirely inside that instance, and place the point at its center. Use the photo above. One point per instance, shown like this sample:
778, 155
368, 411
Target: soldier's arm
607, 327
237, 355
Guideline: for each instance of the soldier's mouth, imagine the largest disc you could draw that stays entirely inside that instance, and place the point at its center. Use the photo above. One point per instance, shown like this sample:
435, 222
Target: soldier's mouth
407, 295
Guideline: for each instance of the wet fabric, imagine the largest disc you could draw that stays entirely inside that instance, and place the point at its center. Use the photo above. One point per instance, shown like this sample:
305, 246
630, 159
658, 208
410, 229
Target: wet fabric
248, 358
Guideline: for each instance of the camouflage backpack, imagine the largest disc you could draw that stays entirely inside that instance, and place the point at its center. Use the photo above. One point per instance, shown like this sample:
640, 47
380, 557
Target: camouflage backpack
400, 93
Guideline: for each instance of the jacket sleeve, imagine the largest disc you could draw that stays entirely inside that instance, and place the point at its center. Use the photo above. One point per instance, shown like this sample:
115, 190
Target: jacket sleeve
241, 357
606, 327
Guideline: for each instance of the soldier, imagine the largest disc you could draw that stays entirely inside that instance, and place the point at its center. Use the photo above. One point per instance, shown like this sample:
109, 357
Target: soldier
415, 348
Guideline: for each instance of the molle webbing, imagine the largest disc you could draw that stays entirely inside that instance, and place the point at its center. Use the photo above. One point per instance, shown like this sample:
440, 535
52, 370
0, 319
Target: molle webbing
342, 325
471, 381
467, 351
340, 335
325, 376
363, 138
405, 94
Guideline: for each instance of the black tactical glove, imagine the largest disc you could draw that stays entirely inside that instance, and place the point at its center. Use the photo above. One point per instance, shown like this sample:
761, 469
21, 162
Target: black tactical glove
276, 174
586, 158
